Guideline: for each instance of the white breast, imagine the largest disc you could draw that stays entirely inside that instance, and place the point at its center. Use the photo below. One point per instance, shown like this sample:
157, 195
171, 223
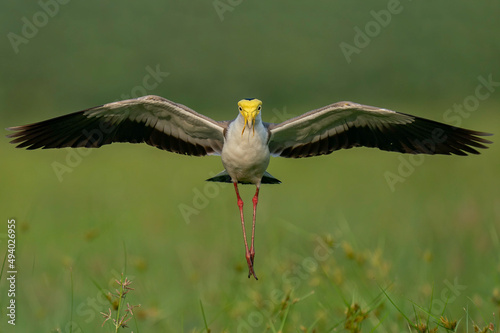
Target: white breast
246, 156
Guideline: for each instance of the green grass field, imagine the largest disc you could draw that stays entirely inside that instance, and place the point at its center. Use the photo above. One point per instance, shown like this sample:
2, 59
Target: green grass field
338, 247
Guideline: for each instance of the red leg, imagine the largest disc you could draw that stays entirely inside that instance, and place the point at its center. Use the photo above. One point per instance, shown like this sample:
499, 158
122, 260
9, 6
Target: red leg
247, 252
255, 200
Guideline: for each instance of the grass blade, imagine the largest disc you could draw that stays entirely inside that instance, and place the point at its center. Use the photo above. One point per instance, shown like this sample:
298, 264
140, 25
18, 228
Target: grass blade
204, 318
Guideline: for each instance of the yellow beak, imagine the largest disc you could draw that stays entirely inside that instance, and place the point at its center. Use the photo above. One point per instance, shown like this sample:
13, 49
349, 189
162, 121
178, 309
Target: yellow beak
249, 119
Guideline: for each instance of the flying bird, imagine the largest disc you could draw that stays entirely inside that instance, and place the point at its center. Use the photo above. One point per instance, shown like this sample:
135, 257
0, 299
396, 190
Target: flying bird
246, 143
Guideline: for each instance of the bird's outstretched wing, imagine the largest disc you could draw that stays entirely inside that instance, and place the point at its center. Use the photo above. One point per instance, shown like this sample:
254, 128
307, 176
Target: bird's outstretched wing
150, 119
345, 125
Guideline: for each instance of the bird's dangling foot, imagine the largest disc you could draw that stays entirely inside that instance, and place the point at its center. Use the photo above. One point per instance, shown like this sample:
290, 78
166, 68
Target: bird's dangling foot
250, 256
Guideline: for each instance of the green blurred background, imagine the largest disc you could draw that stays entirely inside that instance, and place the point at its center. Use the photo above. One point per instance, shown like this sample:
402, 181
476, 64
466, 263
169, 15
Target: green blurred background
332, 235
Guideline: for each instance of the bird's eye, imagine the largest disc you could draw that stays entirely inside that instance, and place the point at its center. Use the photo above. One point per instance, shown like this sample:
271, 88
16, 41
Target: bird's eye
260, 107
239, 108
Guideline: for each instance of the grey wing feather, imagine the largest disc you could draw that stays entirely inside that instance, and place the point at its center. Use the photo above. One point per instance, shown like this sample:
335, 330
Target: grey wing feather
151, 119
345, 125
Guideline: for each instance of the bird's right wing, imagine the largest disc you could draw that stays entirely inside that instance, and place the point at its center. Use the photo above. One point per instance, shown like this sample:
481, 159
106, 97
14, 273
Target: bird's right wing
151, 119
345, 125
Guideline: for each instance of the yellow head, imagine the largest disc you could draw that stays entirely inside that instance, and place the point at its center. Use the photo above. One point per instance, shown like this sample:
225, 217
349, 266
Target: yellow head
249, 109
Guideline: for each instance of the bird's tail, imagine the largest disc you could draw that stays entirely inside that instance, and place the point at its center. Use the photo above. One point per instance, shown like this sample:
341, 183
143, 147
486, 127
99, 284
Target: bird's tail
223, 177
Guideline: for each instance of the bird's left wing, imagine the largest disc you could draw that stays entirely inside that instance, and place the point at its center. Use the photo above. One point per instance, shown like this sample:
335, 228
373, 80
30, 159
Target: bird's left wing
151, 119
345, 125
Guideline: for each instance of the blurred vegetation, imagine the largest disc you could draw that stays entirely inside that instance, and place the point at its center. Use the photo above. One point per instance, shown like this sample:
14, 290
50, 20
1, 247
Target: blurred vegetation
336, 248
